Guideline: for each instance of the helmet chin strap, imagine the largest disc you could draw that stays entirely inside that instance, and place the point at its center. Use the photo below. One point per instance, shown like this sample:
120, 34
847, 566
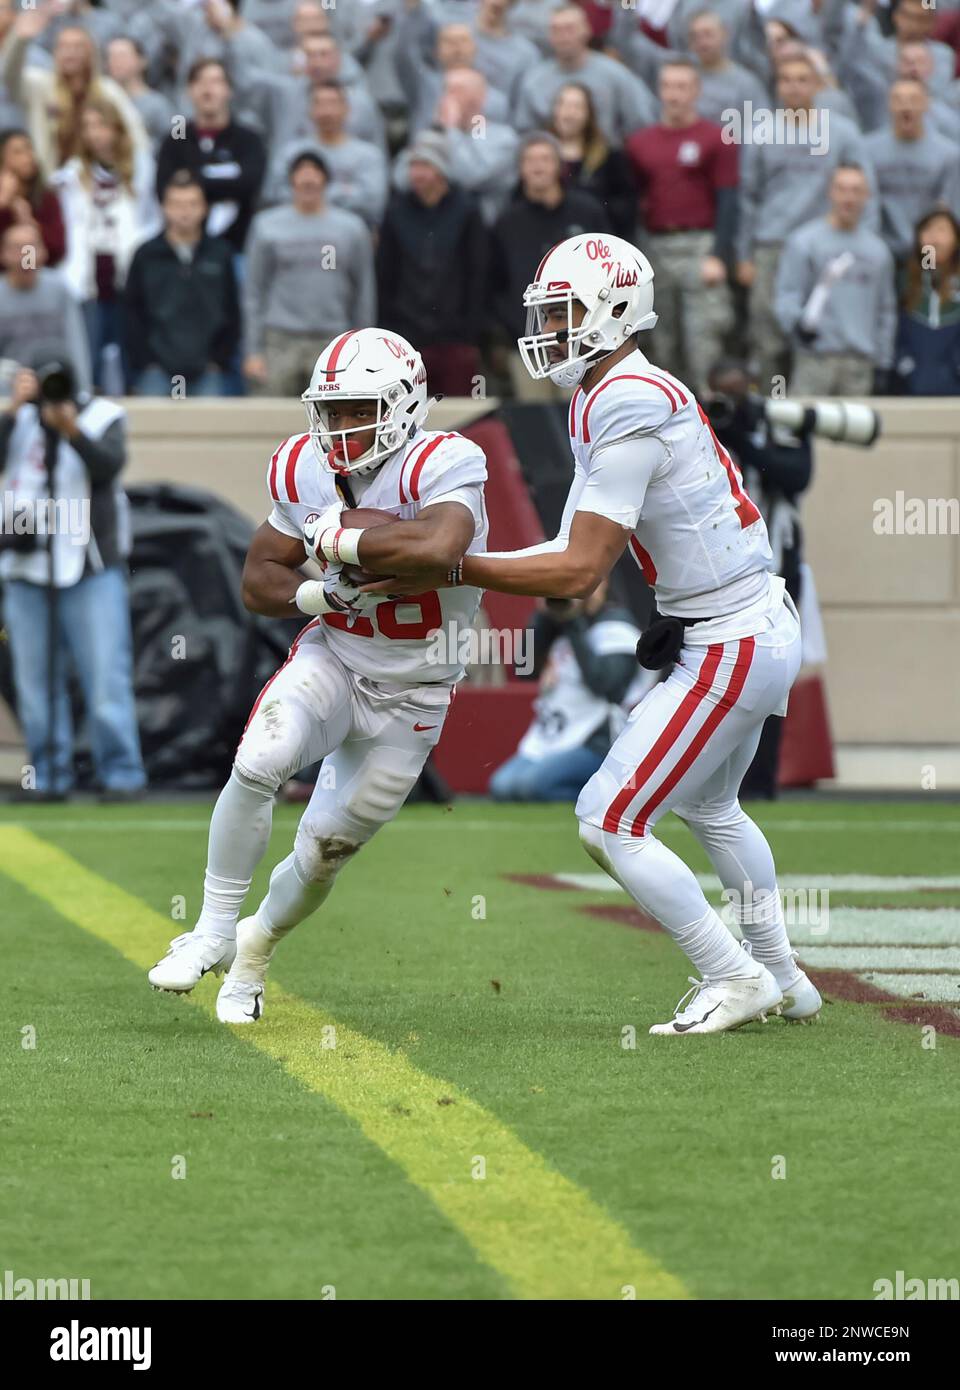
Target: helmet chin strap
571, 373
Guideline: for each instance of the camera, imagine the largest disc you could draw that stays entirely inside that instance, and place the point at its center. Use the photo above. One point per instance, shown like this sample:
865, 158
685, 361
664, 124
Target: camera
56, 384
846, 422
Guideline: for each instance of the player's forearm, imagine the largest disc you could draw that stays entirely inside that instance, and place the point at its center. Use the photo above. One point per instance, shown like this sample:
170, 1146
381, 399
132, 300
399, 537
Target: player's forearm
553, 574
269, 589
402, 548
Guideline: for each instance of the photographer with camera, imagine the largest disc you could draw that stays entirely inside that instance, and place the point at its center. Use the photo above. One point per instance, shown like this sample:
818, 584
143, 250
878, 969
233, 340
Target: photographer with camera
62, 548
777, 464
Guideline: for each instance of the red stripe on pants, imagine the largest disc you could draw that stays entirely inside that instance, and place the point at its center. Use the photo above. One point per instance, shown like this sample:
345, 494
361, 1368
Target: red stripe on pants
678, 722
716, 716
290, 655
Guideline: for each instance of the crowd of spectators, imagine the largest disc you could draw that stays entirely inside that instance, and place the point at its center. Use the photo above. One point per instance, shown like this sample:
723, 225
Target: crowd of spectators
196, 195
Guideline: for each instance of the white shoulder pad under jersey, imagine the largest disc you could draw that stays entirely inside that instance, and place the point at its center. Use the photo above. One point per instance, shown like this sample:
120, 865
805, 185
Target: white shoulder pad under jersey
294, 484
438, 465
628, 404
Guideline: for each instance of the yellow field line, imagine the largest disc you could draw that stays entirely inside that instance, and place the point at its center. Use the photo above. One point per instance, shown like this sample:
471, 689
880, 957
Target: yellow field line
539, 1230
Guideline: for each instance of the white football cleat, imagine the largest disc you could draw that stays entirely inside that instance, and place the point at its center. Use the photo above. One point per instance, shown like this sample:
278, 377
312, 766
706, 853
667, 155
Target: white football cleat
241, 995
801, 998
716, 1005
239, 1002
189, 958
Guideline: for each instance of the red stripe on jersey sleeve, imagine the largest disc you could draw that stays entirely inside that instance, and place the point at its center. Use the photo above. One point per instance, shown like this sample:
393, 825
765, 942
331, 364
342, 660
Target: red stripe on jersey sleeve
627, 376
290, 473
672, 383
418, 466
403, 496
573, 412
272, 476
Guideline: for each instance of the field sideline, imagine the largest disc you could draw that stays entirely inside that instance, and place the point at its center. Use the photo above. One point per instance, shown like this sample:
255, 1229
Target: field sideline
438, 1103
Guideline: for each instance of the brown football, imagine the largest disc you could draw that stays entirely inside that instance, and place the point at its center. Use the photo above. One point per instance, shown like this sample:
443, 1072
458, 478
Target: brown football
364, 517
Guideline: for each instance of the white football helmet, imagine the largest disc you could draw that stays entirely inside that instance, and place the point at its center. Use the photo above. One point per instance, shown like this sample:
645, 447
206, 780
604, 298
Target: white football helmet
612, 279
366, 364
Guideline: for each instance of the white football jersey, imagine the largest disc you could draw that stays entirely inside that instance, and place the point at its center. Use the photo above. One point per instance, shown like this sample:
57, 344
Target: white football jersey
392, 643
698, 538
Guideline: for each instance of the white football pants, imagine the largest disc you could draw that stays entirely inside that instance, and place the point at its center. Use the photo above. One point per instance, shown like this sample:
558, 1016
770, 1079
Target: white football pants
374, 739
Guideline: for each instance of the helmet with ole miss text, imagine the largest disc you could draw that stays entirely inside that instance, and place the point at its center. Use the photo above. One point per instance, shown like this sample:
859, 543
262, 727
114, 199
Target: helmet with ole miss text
382, 370
613, 281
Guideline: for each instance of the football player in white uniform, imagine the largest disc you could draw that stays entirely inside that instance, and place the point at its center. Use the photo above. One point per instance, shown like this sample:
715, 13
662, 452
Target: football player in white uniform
363, 688
650, 474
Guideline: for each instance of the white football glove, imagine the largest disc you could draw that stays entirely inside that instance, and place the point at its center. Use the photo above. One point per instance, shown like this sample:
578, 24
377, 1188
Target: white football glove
314, 528
335, 593
344, 594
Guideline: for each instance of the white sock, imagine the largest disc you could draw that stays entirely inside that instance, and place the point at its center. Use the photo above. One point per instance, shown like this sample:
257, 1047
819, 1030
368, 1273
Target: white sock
713, 949
291, 897
663, 885
739, 852
760, 918
239, 834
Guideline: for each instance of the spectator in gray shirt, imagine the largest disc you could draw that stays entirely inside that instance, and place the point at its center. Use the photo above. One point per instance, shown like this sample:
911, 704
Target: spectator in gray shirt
915, 60
213, 29
784, 182
451, 46
915, 167
723, 83
531, 20
99, 23
36, 307
309, 277
503, 55
623, 102
482, 154
281, 104
835, 296
866, 56
358, 170
127, 64
11, 114
498, 51
275, 18
828, 96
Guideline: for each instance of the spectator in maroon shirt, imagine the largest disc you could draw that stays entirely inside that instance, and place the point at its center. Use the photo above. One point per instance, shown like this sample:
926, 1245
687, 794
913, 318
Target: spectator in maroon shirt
589, 162
947, 30
25, 198
687, 177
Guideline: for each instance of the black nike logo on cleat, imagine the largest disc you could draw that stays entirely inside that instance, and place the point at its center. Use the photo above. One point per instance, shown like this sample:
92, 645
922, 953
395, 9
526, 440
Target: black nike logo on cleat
685, 1027
255, 1013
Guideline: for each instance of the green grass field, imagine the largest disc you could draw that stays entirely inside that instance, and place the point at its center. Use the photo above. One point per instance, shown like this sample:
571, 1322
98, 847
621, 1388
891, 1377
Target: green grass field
439, 1103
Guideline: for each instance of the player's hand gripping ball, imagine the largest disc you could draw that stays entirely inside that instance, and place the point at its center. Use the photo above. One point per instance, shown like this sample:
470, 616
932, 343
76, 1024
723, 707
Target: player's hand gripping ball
364, 518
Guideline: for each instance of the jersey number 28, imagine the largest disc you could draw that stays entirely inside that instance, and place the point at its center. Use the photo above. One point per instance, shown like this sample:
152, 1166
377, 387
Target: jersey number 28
431, 617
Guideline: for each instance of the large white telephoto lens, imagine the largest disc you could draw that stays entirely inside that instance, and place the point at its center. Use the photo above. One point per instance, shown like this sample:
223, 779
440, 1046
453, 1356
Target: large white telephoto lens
848, 422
